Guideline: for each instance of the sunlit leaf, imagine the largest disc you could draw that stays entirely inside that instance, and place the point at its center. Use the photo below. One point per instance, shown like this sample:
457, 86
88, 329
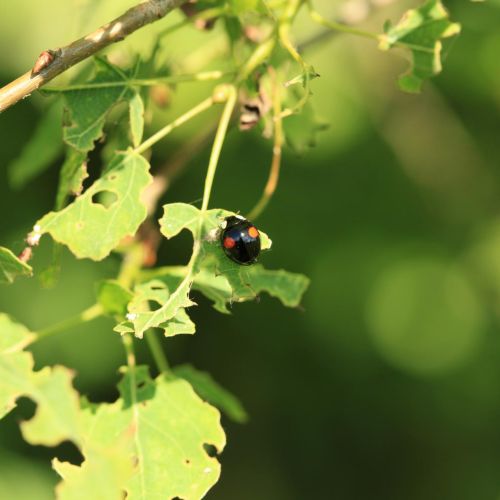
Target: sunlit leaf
421, 31
91, 229
51, 389
216, 276
155, 306
161, 428
11, 267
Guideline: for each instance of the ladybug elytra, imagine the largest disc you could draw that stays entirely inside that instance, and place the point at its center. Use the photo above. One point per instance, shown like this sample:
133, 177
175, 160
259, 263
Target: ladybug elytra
240, 240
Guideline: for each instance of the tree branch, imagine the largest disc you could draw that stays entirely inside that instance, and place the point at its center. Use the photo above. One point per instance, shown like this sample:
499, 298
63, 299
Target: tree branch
52, 63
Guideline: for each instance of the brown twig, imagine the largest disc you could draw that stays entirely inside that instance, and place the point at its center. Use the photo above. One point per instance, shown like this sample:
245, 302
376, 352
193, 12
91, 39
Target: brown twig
66, 57
274, 171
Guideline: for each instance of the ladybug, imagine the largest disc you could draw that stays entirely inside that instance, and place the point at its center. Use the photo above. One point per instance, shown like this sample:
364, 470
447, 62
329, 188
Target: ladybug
240, 240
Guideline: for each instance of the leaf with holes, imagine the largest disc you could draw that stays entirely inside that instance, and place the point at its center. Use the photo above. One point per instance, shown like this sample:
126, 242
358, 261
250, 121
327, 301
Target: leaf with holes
11, 267
73, 173
162, 428
89, 105
219, 278
56, 416
92, 230
155, 306
422, 32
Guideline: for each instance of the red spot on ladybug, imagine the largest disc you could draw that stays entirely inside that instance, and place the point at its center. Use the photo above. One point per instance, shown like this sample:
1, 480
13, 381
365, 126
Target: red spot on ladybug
43, 61
229, 242
253, 232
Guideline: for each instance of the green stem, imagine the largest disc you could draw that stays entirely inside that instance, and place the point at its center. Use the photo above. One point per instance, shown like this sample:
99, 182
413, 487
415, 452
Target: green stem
157, 351
144, 82
202, 106
88, 315
218, 142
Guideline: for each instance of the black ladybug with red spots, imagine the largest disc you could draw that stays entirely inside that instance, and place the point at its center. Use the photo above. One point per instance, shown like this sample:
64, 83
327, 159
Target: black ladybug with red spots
240, 240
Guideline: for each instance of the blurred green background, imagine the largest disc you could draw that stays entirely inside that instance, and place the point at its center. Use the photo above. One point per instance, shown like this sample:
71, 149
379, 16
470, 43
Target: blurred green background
386, 384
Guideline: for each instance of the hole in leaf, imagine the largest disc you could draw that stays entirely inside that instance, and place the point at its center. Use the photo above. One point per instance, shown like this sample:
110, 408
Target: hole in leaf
153, 305
104, 198
187, 461
68, 452
210, 449
112, 177
157, 287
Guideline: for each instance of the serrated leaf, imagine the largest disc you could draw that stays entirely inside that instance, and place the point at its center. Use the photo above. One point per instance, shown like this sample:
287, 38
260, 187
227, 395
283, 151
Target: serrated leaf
177, 416
421, 31
209, 390
287, 287
219, 278
101, 477
92, 230
50, 388
73, 173
161, 427
88, 107
168, 314
11, 267
43, 148
113, 297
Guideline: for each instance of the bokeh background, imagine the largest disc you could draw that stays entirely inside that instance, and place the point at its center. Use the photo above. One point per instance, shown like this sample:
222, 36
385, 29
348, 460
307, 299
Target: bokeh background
385, 385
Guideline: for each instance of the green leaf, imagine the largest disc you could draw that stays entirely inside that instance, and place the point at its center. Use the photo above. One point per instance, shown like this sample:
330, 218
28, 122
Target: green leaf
73, 173
12, 267
209, 390
92, 230
43, 149
168, 310
150, 443
421, 31
219, 278
161, 427
113, 297
89, 106
180, 420
101, 477
57, 402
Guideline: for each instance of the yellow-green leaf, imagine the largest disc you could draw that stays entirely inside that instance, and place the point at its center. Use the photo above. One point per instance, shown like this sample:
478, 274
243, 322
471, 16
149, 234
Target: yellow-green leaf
92, 228
420, 31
